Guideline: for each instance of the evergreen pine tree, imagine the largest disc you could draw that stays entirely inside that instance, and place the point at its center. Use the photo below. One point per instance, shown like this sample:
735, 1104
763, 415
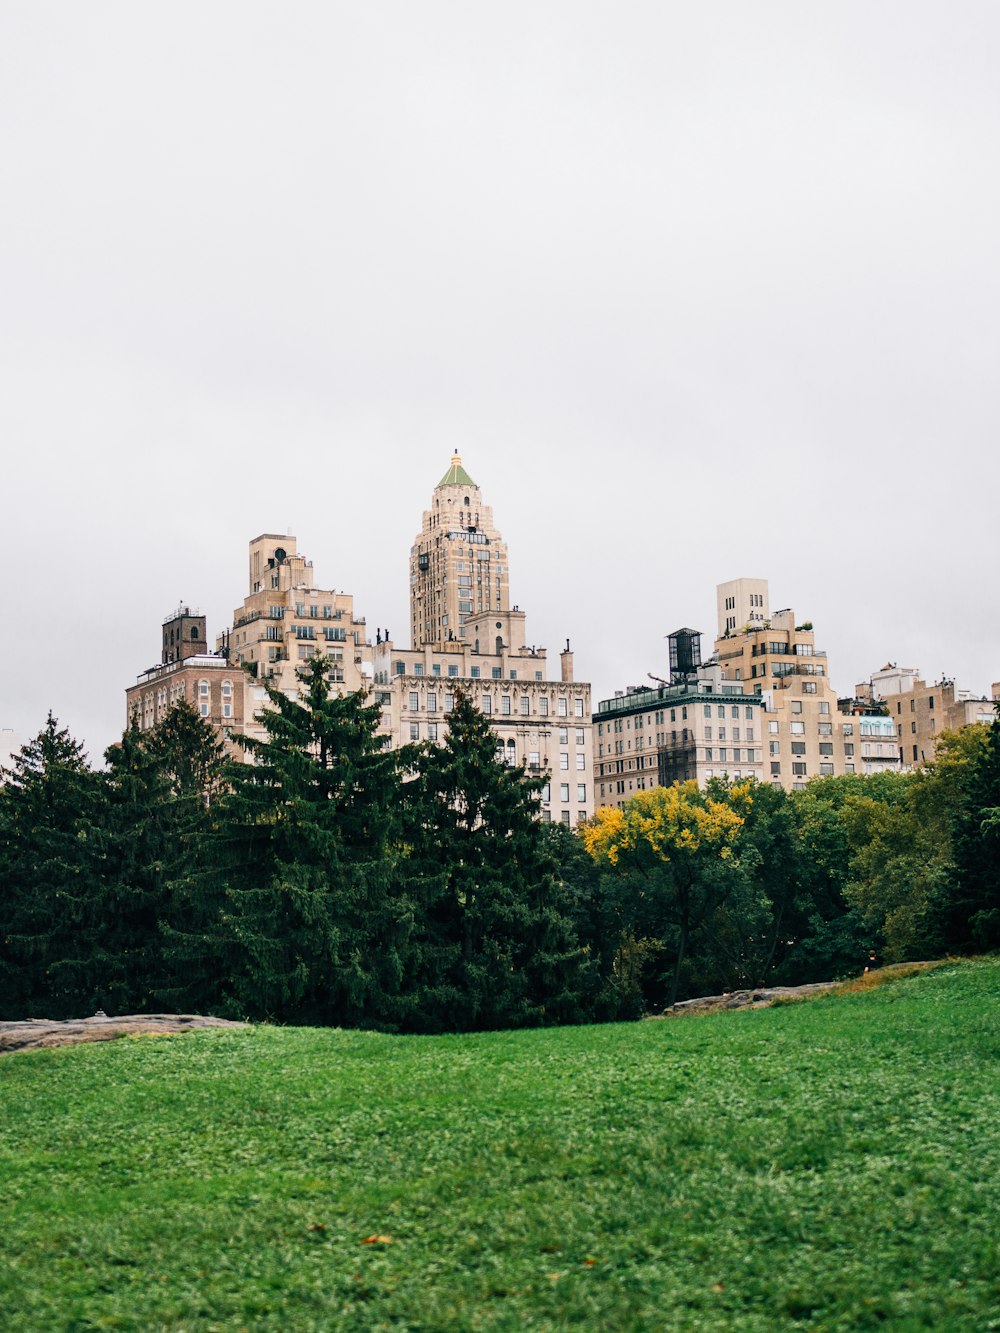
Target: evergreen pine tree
165, 788
307, 840
51, 872
496, 945
159, 787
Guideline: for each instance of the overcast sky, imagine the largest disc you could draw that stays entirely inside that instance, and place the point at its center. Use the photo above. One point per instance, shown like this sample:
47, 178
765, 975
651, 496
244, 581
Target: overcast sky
697, 290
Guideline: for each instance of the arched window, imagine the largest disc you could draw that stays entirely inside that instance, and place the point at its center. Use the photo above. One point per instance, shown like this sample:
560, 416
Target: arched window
194, 632
499, 644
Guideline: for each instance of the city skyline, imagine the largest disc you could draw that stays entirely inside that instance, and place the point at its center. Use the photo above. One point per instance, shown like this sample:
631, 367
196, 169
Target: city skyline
696, 296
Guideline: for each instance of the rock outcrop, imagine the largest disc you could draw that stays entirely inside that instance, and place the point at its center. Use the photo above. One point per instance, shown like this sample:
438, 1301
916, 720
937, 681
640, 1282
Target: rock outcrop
33, 1033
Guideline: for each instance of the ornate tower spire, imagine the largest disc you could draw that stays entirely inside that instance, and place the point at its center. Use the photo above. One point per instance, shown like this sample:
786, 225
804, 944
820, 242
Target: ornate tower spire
458, 562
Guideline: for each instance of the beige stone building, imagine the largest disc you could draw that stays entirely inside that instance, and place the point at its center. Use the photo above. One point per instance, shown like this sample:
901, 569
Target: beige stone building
466, 635
807, 733
214, 686
920, 711
285, 620
696, 728
458, 563
763, 706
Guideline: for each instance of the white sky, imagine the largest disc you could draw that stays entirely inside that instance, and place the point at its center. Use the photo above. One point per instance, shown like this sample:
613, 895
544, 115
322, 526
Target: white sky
697, 290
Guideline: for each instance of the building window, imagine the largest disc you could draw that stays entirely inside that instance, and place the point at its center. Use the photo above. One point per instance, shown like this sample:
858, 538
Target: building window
432, 702
797, 728
581, 792
543, 707
432, 731
563, 759
474, 672
203, 709
564, 792
203, 688
414, 731
486, 704
525, 705
581, 761
798, 770
505, 705
414, 701
497, 673
449, 702
227, 709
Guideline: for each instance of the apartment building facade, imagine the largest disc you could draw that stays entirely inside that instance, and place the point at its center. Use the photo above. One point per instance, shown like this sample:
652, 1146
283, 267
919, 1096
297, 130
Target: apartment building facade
690, 730
763, 706
465, 636
214, 686
921, 711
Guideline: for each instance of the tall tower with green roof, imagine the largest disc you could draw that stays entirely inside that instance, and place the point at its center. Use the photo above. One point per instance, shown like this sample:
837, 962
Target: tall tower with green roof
458, 562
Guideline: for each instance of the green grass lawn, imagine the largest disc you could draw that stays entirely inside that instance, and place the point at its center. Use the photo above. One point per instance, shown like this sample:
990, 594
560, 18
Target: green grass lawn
824, 1165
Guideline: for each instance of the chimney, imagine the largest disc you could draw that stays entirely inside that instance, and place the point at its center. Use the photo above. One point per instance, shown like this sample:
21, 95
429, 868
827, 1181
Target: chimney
566, 660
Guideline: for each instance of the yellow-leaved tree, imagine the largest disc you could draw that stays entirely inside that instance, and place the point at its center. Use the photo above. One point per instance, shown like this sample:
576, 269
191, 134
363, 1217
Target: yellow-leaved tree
677, 848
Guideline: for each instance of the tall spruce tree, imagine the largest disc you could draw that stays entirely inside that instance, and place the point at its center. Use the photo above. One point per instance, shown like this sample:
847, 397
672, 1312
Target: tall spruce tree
51, 879
496, 944
160, 787
307, 841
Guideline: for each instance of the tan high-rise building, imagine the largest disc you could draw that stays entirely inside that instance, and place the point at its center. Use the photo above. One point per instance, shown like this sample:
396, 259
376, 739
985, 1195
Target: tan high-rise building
806, 731
466, 635
762, 707
458, 562
285, 620
920, 712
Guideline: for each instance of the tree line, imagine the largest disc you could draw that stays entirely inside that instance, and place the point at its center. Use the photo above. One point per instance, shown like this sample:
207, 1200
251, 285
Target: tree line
333, 881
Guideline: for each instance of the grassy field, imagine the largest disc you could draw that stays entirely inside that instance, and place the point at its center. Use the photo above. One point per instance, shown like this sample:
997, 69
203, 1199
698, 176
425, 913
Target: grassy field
826, 1165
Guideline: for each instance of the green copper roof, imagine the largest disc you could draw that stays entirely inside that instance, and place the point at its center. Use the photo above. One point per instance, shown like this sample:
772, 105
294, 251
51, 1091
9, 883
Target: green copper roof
456, 474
